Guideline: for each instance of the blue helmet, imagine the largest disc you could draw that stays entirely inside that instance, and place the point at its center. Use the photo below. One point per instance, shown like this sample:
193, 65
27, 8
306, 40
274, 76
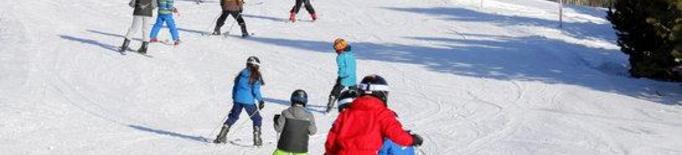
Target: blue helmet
299, 97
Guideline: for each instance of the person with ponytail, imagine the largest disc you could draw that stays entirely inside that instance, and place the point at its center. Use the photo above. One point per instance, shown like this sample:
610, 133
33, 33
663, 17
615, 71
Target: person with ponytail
245, 94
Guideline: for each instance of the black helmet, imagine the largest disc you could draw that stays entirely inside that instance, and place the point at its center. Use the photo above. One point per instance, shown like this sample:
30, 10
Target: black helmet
299, 97
374, 85
253, 60
346, 98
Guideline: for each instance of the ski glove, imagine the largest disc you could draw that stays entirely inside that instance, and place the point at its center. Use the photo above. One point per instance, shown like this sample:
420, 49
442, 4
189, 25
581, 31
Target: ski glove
417, 140
276, 118
261, 104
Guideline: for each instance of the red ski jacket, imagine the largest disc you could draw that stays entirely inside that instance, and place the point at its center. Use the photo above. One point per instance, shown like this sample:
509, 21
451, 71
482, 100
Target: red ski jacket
361, 128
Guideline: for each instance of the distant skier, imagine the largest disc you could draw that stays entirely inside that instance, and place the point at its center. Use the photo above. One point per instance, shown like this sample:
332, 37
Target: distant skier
234, 8
142, 16
297, 7
362, 127
345, 61
346, 97
166, 10
296, 126
245, 92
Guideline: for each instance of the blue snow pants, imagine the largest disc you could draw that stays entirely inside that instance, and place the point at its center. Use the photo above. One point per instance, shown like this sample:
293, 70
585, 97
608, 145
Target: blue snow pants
251, 110
170, 22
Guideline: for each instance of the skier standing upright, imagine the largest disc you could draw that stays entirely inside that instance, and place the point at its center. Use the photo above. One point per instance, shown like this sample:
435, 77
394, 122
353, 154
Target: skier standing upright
245, 92
345, 61
296, 125
297, 7
142, 14
166, 10
362, 127
234, 8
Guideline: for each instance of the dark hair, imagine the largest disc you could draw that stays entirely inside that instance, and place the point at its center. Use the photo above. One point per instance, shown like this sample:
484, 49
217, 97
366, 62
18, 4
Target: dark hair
255, 74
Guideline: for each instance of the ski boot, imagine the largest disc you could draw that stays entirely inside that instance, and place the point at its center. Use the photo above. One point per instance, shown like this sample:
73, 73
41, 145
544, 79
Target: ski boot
143, 48
312, 15
176, 42
244, 32
124, 47
330, 103
257, 141
222, 136
216, 31
292, 17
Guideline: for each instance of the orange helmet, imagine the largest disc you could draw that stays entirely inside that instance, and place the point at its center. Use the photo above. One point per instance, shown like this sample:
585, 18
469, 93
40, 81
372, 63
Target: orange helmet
340, 45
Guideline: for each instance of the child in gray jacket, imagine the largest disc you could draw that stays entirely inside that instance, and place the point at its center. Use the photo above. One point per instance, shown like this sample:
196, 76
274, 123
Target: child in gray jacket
296, 126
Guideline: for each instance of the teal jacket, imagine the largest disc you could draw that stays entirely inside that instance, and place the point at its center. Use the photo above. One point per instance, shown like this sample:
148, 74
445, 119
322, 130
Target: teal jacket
346, 68
166, 6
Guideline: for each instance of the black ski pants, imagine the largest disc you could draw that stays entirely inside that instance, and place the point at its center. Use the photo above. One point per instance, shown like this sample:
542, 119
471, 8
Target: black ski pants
237, 15
308, 6
336, 90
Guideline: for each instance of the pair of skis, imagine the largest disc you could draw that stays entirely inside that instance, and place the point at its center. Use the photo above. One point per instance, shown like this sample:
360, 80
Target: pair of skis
226, 35
198, 2
239, 142
164, 42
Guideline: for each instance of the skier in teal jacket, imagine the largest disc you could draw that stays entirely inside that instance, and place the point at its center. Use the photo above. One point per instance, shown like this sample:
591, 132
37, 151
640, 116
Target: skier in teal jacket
345, 61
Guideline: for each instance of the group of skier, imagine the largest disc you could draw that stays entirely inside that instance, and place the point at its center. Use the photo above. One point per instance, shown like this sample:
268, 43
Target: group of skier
143, 12
365, 124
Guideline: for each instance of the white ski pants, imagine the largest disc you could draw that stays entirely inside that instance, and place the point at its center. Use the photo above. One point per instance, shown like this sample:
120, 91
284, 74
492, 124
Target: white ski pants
137, 20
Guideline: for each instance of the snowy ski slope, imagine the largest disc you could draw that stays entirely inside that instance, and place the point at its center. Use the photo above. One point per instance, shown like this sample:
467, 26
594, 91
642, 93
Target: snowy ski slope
502, 79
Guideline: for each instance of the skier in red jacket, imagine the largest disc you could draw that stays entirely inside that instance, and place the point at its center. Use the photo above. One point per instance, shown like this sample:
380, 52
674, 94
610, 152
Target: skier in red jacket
362, 127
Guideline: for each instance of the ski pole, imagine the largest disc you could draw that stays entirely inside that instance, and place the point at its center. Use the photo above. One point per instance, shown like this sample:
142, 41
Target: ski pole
212, 24
216, 128
233, 22
250, 116
227, 116
420, 150
231, 25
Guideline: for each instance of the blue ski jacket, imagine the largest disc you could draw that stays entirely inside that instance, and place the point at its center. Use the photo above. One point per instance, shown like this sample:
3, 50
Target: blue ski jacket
243, 92
391, 148
346, 68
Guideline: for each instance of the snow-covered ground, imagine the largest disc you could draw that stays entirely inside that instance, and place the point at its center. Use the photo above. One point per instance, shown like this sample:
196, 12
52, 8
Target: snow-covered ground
502, 79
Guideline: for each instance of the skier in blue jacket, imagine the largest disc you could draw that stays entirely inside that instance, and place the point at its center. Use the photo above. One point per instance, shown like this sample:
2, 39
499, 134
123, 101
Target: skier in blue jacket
245, 93
166, 10
345, 61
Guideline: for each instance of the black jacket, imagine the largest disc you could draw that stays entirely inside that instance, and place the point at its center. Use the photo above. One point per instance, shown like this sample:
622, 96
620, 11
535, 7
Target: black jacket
143, 7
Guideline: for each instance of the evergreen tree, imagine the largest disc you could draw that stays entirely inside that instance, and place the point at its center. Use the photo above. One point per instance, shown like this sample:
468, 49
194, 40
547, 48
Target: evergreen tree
649, 32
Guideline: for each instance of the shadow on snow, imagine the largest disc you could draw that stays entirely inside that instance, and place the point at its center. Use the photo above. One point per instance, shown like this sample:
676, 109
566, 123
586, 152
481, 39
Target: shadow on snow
91, 42
505, 58
581, 30
168, 133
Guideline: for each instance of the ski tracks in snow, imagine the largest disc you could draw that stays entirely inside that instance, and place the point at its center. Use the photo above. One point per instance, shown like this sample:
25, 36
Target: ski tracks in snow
508, 112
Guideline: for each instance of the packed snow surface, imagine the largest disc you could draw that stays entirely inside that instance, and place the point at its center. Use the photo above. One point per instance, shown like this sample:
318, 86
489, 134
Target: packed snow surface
496, 78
